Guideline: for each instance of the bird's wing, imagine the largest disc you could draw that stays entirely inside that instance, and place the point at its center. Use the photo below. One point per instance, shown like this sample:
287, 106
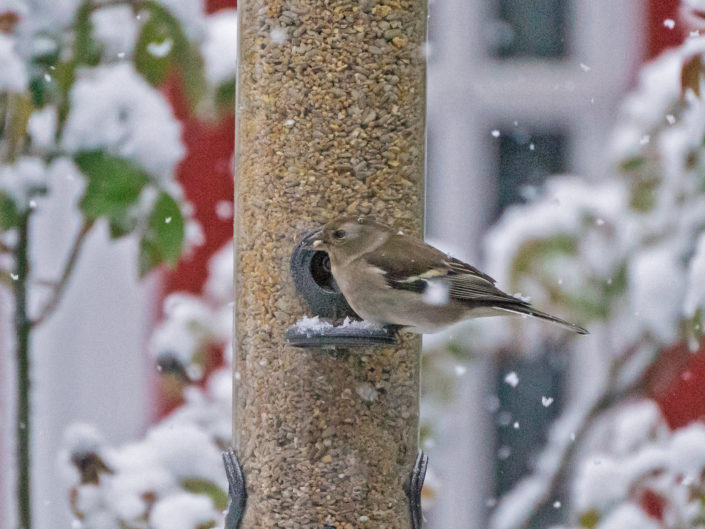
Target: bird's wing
409, 263
468, 284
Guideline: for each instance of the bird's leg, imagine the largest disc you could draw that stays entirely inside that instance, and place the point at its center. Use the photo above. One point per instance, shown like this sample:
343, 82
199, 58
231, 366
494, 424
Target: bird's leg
413, 487
237, 493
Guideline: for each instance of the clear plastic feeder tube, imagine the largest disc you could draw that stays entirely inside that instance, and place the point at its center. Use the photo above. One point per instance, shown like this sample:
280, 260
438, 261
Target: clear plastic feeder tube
330, 121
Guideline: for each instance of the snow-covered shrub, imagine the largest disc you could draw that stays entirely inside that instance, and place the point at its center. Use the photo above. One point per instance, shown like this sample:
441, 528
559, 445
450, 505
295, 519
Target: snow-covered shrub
623, 256
173, 478
80, 85
82, 103
640, 474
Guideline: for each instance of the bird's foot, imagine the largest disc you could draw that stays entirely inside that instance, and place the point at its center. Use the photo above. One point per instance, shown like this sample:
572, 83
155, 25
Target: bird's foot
237, 493
412, 488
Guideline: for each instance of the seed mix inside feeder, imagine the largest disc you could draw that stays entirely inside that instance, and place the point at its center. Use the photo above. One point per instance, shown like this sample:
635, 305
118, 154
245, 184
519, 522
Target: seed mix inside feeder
331, 121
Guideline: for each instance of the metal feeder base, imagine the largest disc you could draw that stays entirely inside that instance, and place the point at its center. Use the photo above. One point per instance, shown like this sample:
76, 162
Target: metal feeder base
340, 336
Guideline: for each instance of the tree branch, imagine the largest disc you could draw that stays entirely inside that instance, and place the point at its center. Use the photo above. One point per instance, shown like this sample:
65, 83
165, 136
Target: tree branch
22, 345
61, 284
535, 491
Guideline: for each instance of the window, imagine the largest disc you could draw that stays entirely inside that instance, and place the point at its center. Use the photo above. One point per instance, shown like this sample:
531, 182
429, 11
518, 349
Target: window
529, 28
525, 159
523, 417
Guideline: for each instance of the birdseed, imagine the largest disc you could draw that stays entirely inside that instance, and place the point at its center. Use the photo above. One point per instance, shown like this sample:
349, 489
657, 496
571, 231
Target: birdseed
331, 104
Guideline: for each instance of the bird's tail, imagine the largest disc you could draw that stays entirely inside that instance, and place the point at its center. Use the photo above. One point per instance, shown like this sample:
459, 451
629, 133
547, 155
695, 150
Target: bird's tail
526, 309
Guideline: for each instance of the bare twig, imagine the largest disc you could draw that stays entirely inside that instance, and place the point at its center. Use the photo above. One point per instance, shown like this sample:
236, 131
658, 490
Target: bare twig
22, 339
540, 488
60, 285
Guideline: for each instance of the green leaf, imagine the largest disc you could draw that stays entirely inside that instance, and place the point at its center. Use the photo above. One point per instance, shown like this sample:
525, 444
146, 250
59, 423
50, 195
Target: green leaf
9, 215
192, 74
86, 49
122, 224
163, 45
633, 163
155, 48
225, 98
207, 488
114, 184
163, 240
589, 519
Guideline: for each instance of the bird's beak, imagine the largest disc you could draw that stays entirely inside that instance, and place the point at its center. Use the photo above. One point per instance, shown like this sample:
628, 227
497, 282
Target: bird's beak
313, 241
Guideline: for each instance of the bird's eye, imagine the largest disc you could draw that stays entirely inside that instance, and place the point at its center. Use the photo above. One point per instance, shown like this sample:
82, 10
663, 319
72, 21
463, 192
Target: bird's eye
339, 234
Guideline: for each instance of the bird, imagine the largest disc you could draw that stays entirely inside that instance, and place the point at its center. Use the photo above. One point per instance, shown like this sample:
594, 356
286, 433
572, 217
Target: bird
390, 278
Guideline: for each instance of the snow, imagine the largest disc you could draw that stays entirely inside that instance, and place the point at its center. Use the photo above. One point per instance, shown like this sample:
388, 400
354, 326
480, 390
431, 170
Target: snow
628, 516
219, 285
220, 46
669, 23
560, 209
695, 292
656, 289
512, 379
367, 392
114, 108
688, 451
42, 127
312, 324
44, 16
639, 453
82, 438
116, 28
698, 5
316, 325
13, 74
186, 325
186, 445
638, 424
224, 209
183, 511
546, 401
436, 293
160, 49
22, 180
278, 35
191, 15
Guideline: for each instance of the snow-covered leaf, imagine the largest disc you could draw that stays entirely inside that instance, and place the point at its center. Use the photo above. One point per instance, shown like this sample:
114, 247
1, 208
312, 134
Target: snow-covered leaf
163, 240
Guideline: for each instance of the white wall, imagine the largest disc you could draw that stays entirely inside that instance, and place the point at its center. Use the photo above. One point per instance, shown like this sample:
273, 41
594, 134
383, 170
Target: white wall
89, 361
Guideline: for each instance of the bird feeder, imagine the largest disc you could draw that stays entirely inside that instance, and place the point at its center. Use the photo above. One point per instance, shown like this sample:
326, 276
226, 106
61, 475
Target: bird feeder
330, 121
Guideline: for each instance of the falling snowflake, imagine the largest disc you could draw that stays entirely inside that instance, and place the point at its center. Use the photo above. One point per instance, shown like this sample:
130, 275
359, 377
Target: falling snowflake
512, 379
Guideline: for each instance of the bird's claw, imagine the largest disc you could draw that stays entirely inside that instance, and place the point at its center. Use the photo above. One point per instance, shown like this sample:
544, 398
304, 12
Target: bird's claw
412, 488
237, 493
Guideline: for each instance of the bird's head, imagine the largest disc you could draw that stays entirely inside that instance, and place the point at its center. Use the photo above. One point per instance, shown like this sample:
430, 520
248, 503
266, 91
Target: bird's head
347, 237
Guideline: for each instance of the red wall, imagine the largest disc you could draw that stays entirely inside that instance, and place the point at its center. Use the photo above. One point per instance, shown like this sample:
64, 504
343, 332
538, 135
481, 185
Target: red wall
660, 37
207, 178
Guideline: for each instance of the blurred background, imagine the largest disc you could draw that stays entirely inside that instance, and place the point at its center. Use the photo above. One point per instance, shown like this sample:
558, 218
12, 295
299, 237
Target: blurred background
519, 93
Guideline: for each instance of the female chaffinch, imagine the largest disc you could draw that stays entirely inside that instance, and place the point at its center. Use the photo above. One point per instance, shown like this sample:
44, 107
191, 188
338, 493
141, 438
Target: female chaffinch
390, 278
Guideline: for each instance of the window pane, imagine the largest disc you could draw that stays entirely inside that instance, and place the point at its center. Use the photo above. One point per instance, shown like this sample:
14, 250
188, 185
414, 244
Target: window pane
529, 28
525, 160
525, 413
